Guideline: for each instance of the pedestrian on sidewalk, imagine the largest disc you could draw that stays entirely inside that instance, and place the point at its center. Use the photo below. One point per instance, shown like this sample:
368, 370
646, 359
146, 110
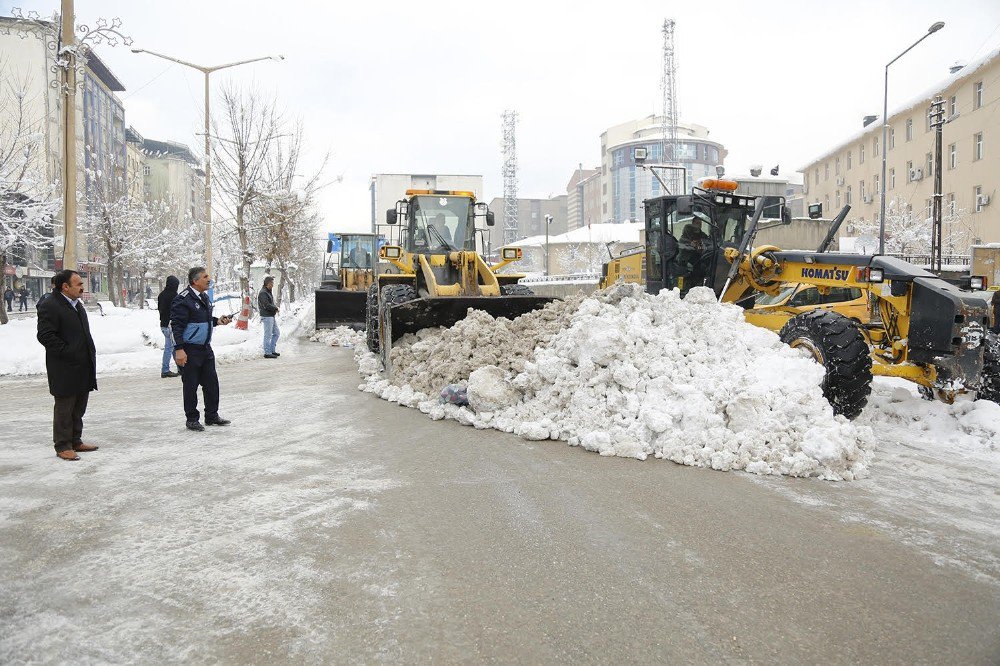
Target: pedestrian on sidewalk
22, 300
268, 310
163, 301
191, 322
8, 295
70, 361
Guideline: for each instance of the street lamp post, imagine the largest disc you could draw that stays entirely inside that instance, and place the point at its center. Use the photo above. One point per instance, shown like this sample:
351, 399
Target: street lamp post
208, 146
548, 221
885, 129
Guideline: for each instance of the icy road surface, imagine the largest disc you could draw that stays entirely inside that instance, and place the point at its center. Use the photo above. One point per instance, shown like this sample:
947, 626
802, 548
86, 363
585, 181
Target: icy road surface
326, 525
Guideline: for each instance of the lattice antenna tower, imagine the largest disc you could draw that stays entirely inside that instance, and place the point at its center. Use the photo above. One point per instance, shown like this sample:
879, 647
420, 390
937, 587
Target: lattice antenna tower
510, 229
668, 83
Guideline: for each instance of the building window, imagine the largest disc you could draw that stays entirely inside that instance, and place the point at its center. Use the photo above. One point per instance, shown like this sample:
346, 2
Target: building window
817, 176
875, 146
930, 165
952, 156
861, 191
838, 199
892, 138
977, 95
952, 106
146, 170
929, 208
877, 181
927, 121
826, 199
848, 196
861, 154
909, 128
892, 178
909, 171
951, 203
848, 160
977, 146
826, 171
977, 198
836, 166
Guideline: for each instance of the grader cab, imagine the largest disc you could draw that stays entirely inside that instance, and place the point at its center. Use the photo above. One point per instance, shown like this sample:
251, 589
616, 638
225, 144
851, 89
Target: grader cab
434, 272
918, 327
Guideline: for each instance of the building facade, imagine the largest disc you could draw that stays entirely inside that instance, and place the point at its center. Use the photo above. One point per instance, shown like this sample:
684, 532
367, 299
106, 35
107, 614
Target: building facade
172, 174
583, 198
530, 219
850, 173
624, 185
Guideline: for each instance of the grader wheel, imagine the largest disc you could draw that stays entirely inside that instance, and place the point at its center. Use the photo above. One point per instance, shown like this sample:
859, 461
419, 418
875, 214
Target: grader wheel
516, 290
837, 344
989, 386
371, 319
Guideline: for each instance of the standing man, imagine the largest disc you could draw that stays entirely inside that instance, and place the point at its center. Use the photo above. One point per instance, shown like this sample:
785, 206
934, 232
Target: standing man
70, 361
22, 301
47, 295
163, 302
8, 295
192, 322
265, 303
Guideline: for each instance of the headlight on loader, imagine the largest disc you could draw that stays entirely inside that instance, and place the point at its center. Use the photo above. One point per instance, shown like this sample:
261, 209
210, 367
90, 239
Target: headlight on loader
510, 253
390, 252
977, 283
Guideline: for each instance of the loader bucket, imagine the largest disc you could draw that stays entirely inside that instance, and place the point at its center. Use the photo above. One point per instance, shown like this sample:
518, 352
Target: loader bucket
336, 307
431, 312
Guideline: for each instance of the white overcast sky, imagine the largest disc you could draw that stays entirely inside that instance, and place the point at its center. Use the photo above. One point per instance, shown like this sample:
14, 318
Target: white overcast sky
387, 86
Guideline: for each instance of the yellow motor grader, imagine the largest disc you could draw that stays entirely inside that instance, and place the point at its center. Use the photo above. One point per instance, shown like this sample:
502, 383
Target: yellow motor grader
919, 327
434, 272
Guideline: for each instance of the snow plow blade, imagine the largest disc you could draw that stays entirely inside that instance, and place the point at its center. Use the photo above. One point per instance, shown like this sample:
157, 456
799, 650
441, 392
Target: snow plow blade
336, 307
431, 312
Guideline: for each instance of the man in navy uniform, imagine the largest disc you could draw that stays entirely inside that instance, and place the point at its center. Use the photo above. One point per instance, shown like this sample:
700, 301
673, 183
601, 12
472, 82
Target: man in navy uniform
192, 322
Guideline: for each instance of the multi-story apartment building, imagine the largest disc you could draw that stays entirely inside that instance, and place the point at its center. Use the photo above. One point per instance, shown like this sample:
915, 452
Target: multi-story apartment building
135, 165
583, 202
172, 174
624, 185
530, 218
850, 173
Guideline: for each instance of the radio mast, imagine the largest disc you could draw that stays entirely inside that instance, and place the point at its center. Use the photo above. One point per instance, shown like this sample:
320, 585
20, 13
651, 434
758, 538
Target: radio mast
510, 229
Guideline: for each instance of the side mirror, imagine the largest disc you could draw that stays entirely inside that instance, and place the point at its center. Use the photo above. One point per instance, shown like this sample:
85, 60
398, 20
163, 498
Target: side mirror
786, 215
329, 247
683, 205
390, 216
815, 211
490, 218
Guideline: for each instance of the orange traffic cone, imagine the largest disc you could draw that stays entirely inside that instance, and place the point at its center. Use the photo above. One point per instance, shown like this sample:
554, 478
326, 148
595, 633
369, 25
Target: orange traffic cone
244, 318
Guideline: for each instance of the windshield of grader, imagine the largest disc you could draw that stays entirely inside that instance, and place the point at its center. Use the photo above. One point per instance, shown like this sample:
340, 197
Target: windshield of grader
685, 247
441, 224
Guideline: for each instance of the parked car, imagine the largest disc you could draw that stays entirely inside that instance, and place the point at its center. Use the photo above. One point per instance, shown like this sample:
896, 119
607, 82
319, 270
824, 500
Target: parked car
773, 311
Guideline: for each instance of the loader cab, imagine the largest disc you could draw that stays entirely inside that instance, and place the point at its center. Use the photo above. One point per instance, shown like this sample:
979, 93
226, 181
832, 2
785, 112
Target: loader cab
687, 235
438, 221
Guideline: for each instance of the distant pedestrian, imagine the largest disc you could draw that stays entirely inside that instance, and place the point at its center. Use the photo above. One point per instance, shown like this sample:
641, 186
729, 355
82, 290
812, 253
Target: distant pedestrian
149, 291
163, 302
70, 361
191, 322
265, 303
22, 300
48, 294
8, 295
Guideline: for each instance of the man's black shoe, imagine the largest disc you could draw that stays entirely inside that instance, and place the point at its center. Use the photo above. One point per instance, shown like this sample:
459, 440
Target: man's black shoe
270, 356
194, 425
218, 421
168, 373
277, 354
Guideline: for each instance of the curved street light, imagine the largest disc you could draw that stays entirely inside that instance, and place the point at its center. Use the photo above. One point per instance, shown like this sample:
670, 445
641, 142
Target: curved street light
885, 129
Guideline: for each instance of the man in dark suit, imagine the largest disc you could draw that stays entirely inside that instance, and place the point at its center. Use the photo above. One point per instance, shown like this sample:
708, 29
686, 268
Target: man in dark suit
70, 361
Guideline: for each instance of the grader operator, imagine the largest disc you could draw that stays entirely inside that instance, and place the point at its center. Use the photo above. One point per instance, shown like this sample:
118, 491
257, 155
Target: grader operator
919, 327
435, 273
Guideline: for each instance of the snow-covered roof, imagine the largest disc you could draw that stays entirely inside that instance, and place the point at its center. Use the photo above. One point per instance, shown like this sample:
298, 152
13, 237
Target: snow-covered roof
936, 89
627, 232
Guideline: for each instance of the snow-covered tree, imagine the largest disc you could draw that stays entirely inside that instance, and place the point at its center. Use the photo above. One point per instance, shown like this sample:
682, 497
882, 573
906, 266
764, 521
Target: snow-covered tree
910, 232
28, 201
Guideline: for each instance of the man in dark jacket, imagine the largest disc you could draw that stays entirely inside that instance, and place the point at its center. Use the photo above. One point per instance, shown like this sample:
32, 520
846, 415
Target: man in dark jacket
163, 302
70, 361
22, 299
191, 322
8, 295
47, 295
265, 303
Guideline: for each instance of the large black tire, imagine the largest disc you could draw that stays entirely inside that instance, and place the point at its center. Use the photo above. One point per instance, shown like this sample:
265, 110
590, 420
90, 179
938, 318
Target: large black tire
394, 294
837, 344
516, 290
989, 382
371, 319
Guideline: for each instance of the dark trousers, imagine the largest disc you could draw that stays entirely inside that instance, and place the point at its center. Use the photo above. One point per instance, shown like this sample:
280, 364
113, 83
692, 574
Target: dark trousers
67, 420
200, 371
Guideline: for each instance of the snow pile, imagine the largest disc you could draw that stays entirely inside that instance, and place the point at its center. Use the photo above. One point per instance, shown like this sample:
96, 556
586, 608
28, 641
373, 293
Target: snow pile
342, 336
629, 374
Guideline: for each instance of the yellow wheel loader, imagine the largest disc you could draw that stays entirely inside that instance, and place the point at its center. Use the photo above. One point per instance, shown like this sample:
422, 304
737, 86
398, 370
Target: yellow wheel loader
434, 272
348, 271
918, 327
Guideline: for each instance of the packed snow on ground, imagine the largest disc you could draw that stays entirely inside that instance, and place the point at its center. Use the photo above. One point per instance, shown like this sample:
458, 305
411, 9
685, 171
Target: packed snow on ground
625, 373
341, 336
130, 339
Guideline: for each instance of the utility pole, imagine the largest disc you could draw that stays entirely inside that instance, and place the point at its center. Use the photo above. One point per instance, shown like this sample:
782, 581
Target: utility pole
67, 51
668, 84
548, 221
937, 122
509, 171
